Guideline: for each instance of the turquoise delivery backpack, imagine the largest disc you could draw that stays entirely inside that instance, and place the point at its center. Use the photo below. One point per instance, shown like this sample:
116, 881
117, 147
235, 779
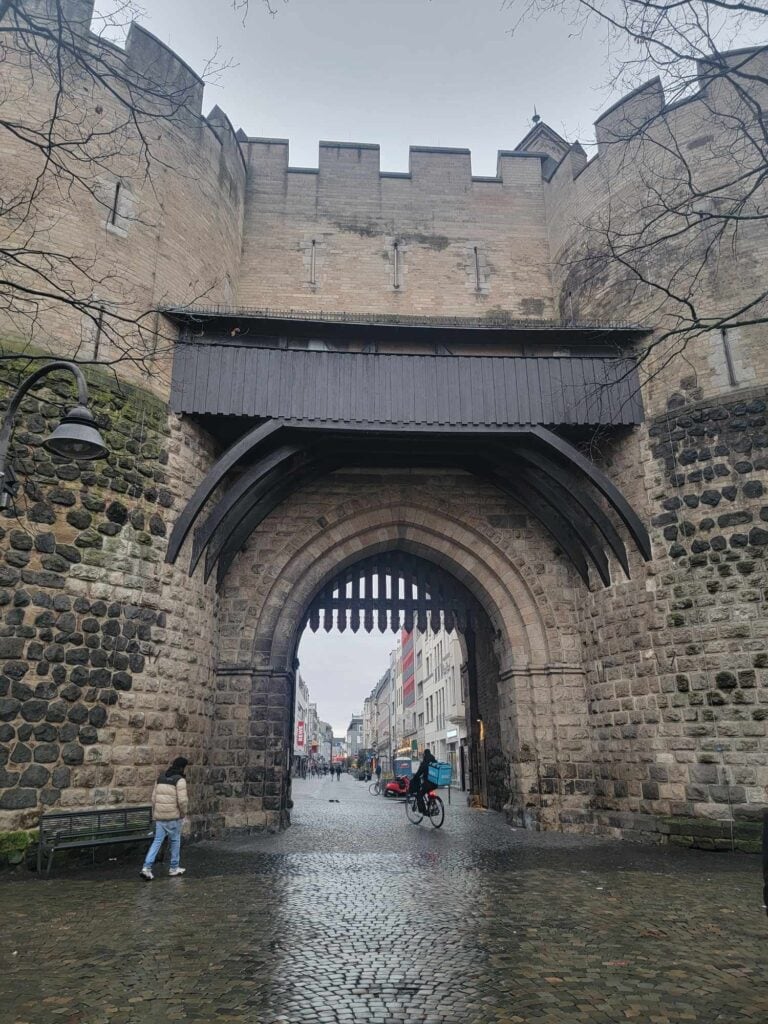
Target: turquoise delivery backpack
440, 773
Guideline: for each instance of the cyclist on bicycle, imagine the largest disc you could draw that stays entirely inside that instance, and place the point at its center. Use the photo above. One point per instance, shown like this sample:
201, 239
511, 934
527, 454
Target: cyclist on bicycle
420, 784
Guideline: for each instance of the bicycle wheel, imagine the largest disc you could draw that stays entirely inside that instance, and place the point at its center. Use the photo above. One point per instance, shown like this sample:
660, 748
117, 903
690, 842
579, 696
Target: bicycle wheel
436, 811
412, 811
374, 788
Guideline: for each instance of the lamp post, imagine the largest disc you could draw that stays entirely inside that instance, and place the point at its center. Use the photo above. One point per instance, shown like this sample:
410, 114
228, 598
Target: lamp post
76, 436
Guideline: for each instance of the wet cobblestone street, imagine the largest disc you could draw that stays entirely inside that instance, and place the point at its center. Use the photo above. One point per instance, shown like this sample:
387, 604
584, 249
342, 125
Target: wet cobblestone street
354, 914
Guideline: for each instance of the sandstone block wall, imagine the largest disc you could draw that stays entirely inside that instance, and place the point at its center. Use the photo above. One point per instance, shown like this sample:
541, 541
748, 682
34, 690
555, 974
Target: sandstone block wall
174, 237
466, 246
530, 681
646, 148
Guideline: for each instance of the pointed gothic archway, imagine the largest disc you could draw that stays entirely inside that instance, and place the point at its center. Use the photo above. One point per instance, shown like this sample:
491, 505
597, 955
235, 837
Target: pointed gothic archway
519, 672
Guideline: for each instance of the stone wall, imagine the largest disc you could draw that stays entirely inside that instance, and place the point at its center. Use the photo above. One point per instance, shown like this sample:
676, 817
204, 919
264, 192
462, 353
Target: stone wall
676, 684
105, 660
174, 237
643, 146
530, 678
325, 240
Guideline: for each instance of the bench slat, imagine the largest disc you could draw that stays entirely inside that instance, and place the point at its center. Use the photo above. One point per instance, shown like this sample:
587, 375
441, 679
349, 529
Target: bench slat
86, 828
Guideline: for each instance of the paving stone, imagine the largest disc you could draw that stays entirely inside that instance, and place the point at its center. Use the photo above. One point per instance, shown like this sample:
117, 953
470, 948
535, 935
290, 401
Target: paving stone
354, 914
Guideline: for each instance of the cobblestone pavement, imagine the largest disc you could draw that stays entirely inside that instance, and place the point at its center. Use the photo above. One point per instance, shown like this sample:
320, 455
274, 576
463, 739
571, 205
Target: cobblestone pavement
356, 915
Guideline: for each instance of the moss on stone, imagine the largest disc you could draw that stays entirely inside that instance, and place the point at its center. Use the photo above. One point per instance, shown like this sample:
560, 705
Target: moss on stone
14, 845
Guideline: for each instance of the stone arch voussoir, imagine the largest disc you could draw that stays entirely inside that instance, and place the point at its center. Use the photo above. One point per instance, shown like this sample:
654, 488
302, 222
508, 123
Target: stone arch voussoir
359, 530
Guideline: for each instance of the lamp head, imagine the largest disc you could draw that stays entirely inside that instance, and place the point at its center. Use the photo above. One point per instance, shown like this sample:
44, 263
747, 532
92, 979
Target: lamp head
76, 437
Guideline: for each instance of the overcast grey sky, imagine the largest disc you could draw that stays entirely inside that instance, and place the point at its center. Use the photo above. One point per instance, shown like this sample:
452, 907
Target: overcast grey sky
341, 670
398, 73
395, 72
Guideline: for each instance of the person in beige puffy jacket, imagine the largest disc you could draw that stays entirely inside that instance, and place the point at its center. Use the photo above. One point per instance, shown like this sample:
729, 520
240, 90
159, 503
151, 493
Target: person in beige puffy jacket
169, 809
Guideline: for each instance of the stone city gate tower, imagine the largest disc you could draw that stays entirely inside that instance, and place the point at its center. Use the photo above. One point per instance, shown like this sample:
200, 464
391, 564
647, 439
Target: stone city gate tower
384, 463
403, 377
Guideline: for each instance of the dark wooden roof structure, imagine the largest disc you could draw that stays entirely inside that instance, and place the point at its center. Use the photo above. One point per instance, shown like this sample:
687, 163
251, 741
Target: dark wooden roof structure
397, 390
542, 472
299, 414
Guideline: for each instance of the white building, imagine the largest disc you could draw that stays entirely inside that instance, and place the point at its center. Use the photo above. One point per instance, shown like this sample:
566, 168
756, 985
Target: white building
440, 689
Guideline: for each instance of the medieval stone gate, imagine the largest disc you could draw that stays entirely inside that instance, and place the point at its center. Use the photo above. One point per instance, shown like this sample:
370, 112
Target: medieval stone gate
455, 393
380, 488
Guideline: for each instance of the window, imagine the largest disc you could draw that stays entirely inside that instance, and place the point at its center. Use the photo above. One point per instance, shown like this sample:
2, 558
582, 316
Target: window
118, 201
98, 332
114, 212
728, 354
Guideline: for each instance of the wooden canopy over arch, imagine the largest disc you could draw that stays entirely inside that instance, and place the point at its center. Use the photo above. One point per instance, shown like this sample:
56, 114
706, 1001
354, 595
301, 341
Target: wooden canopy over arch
541, 471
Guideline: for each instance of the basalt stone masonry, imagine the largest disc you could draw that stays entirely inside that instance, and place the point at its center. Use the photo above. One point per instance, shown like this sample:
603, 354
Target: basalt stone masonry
84, 717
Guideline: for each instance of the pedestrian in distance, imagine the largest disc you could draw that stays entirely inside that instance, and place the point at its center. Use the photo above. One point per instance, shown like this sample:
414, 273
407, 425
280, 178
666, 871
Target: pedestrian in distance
169, 809
378, 772
338, 773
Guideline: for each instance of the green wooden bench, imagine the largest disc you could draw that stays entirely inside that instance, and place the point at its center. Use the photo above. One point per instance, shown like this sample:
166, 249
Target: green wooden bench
67, 830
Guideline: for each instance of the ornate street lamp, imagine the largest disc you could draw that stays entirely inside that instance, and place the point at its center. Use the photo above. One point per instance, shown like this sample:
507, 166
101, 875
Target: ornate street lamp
76, 436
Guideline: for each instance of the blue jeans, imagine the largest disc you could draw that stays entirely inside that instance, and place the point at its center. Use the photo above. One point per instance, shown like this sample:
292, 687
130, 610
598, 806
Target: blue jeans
172, 829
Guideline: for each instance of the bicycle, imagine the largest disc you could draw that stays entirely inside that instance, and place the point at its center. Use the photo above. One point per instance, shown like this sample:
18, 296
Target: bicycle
434, 806
375, 788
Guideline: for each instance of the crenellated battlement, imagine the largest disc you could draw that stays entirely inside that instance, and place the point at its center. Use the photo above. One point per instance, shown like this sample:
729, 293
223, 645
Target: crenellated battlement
167, 82
150, 60
359, 165
637, 110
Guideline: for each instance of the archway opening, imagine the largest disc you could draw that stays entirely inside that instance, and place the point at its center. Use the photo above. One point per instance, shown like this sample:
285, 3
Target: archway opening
432, 684
533, 707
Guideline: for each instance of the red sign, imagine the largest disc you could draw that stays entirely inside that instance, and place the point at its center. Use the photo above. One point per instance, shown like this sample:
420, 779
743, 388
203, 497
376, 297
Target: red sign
299, 734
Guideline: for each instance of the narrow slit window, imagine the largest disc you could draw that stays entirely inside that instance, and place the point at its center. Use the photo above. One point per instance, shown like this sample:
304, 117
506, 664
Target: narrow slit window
727, 352
114, 213
477, 270
99, 332
313, 263
396, 258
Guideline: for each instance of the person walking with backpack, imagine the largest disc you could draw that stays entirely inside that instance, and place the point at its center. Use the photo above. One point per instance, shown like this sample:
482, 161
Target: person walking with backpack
169, 809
